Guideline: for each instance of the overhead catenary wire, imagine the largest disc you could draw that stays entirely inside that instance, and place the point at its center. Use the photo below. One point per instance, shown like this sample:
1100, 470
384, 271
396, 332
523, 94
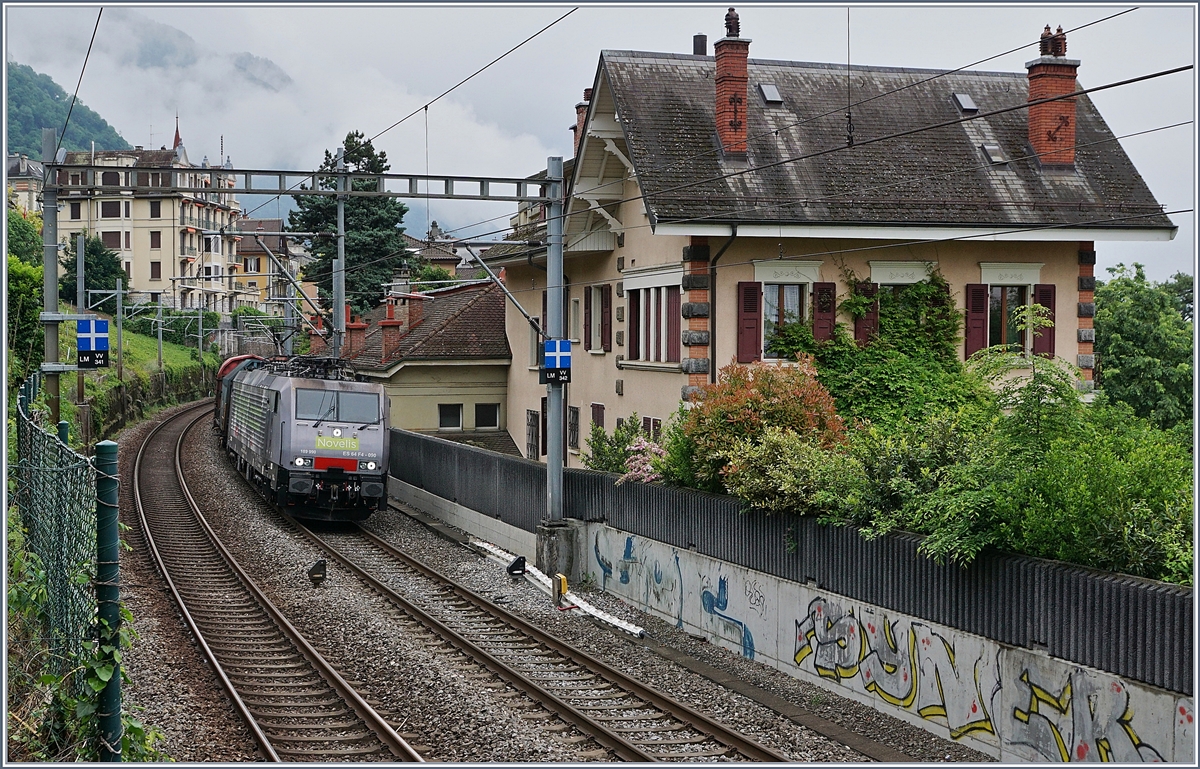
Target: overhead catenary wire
444, 93
878, 139
848, 193
78, 83
813, 118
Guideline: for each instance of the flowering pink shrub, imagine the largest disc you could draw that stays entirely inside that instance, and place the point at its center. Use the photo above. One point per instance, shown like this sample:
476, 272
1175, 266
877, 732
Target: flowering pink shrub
642, 460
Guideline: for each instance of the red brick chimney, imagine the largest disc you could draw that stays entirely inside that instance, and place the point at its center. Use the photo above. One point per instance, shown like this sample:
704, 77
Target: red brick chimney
580, 118
391, 331
1052, 125
356, 334
316, 339
732, 51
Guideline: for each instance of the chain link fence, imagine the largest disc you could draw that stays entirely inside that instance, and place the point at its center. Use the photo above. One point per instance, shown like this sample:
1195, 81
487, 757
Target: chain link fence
55, 497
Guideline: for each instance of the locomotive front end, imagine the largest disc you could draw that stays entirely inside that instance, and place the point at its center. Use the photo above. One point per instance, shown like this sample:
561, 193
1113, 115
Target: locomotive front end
336, 454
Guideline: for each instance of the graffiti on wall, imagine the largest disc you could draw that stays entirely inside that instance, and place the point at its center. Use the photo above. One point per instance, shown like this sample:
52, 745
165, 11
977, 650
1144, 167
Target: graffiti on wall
1085, 717
905, 663
662, 585
717, 605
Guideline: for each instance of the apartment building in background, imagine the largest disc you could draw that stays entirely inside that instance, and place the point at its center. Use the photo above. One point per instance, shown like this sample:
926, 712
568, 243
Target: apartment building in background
174, 233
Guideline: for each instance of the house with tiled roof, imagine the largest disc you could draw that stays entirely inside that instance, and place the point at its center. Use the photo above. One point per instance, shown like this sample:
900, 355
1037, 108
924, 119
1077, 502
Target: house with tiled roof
443, 357
714, 197
25, 182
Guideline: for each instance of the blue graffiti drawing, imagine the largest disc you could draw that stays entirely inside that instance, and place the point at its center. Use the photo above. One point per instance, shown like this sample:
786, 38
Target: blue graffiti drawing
716, 606
627, 560
679, 571
606, 569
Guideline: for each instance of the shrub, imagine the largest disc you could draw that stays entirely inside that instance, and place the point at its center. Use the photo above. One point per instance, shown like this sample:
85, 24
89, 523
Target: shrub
783, 472
611, 453
746, 400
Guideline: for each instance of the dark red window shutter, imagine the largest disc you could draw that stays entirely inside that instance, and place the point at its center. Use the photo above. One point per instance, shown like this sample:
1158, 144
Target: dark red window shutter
606, 317
647, 425
587, 318
867, 327
634, 314
544, 427
824, 310
545, 317
1043, 344
674, 333
598, 414
977, 317
749, 340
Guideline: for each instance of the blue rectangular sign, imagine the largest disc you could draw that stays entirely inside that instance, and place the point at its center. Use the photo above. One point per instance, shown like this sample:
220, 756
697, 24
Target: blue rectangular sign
558, 353
91, 335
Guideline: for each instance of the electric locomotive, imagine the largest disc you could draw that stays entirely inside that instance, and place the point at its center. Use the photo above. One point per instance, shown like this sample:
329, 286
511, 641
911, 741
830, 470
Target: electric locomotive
307, 434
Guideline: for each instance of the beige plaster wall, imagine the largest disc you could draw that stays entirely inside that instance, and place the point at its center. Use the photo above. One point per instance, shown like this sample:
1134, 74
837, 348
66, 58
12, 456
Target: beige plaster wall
415, 391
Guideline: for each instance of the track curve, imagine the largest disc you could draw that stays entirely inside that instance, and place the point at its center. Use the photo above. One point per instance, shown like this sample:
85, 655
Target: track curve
298, 708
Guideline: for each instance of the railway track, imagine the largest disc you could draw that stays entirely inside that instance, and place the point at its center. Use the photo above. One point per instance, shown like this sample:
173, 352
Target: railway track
629, 720
296, 706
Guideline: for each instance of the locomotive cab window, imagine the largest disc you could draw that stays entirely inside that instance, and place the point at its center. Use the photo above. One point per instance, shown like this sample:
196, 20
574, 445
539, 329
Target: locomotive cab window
331, 405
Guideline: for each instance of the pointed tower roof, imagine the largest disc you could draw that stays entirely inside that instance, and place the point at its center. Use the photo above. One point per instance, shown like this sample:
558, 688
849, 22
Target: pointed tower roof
178, 140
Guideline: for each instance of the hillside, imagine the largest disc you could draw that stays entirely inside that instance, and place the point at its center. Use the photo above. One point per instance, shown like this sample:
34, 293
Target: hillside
35, 102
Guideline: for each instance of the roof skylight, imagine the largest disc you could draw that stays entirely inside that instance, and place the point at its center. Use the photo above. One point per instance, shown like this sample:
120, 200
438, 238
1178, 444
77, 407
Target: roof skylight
993, 153
965, 103
770, 93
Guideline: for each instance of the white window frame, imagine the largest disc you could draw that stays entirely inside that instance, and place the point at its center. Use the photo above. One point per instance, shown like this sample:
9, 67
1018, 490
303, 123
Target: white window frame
786, 272
576, 320
1011, 275
596, 328
488, 428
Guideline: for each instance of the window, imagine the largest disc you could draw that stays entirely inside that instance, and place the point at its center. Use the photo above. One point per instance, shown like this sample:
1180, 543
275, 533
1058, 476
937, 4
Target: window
449, 416
155, 270
1002, 301
127, 240
76, 212
74, 180
110, 209
487, 416
110, 179
155, 209
597, 318
533, 429
782, 303
154, 297
598, 414
126, 209
155, 239
652, 427
573, 427
250, 265
357, 407
654, 324
111, 239
127, 271
535, 344
576, 316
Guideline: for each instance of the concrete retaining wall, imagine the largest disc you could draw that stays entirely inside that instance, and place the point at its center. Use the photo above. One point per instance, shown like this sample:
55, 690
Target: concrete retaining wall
1011, 703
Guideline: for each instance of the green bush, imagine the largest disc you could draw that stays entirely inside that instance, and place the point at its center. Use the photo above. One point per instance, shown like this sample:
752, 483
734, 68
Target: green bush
611, 453
783, 472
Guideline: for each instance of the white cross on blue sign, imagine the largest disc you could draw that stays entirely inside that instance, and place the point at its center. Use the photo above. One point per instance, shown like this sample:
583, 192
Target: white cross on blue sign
558, 353
91, 334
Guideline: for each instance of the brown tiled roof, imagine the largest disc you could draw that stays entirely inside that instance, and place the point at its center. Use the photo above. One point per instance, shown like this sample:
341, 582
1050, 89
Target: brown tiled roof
460, 323
666, 107
248, 244
442, 256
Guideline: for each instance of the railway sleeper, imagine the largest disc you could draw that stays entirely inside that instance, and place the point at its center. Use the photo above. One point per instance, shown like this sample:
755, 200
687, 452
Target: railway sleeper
267, 713
283, 729
250, 701
689, 754
358, 736
610, 706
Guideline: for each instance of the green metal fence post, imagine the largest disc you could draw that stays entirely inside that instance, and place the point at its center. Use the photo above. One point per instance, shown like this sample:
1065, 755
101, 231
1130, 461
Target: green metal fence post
108, 596
64, 432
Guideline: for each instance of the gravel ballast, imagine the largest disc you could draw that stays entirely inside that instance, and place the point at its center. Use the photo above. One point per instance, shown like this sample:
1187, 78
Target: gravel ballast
439, 702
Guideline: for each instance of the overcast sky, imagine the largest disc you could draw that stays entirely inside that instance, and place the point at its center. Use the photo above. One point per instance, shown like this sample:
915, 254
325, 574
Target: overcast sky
284, 83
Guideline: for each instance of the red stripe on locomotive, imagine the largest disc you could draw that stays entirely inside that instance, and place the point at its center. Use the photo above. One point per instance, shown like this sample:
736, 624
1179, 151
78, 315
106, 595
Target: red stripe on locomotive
324, 463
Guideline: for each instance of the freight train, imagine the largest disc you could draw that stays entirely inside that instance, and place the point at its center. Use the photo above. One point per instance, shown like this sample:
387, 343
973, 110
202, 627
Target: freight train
306, 434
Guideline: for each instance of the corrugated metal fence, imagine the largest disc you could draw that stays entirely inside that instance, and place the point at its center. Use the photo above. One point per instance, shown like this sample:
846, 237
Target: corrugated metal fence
1132, 627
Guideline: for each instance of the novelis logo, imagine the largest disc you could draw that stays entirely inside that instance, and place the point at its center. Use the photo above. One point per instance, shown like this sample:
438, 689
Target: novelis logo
340, 444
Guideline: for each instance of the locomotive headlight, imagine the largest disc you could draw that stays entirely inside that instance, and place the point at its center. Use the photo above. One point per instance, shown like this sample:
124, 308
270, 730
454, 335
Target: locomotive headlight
337, 432
299, 461
370, 465
364, 465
